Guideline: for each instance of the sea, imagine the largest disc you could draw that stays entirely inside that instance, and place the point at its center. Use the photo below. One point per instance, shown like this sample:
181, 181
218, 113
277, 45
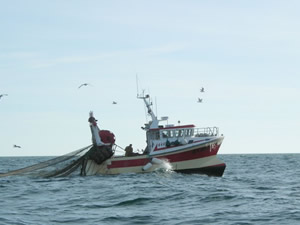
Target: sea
255, 189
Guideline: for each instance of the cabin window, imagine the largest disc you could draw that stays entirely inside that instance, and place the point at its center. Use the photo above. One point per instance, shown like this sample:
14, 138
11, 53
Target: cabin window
155, 135
165, 134
192, 132
180, 133
187, 133
176, 133
170, 133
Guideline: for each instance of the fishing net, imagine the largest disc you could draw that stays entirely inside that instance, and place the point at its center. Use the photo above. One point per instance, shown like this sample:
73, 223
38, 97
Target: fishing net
56, 167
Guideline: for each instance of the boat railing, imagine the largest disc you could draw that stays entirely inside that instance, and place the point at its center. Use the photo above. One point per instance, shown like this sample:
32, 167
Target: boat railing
206, 131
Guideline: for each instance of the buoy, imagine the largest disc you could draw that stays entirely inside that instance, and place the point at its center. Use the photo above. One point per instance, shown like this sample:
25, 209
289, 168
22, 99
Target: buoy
147, 166
152, 161
156, 161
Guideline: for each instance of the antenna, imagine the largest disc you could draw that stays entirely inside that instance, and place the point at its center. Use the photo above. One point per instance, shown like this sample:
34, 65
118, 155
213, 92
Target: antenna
137, 86
156, 107
148, 103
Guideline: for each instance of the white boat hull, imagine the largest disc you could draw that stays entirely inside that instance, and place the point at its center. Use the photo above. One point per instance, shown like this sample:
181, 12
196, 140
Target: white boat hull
199, 158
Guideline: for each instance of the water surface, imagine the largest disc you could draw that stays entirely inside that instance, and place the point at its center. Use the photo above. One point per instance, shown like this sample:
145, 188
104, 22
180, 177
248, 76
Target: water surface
255, 189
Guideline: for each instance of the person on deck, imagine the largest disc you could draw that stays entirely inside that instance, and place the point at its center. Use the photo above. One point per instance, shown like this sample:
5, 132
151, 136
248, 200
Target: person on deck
129, 150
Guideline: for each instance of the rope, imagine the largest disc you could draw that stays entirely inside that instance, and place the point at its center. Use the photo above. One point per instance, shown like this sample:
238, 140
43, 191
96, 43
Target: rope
119, 147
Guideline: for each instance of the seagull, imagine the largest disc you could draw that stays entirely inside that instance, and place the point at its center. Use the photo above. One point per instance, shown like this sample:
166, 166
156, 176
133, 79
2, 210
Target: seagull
85, 84
114, 102
202, 89
17, 146
2, 95
199, 100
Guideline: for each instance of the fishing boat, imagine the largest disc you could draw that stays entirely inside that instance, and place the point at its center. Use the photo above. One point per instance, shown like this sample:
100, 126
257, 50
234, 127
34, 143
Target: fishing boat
181, 148
184, 148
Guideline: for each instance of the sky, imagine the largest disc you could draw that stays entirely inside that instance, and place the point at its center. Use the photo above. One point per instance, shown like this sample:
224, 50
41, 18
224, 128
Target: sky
244, 53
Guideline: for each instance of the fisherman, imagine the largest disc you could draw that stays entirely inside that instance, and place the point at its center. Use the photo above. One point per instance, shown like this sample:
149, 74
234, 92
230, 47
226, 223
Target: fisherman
129, 150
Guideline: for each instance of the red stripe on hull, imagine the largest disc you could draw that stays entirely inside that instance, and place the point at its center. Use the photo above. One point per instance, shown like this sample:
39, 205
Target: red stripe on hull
128, 163
171, 157
192, 154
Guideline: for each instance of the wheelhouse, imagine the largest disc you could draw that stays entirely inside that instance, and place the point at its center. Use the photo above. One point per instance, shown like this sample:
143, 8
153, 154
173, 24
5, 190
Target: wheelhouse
171, 132
170, 135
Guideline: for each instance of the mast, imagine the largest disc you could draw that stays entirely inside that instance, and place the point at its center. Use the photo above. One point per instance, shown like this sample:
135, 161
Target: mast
154, 123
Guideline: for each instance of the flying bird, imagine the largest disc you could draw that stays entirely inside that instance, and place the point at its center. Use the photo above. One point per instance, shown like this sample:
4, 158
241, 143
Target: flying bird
199, 100
114, 102
202, 89
17, 146
2, 95
85, 84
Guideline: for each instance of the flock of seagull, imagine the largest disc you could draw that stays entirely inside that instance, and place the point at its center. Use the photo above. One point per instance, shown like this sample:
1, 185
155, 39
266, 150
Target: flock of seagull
114, 102
200, 99
87, 84
80, 86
